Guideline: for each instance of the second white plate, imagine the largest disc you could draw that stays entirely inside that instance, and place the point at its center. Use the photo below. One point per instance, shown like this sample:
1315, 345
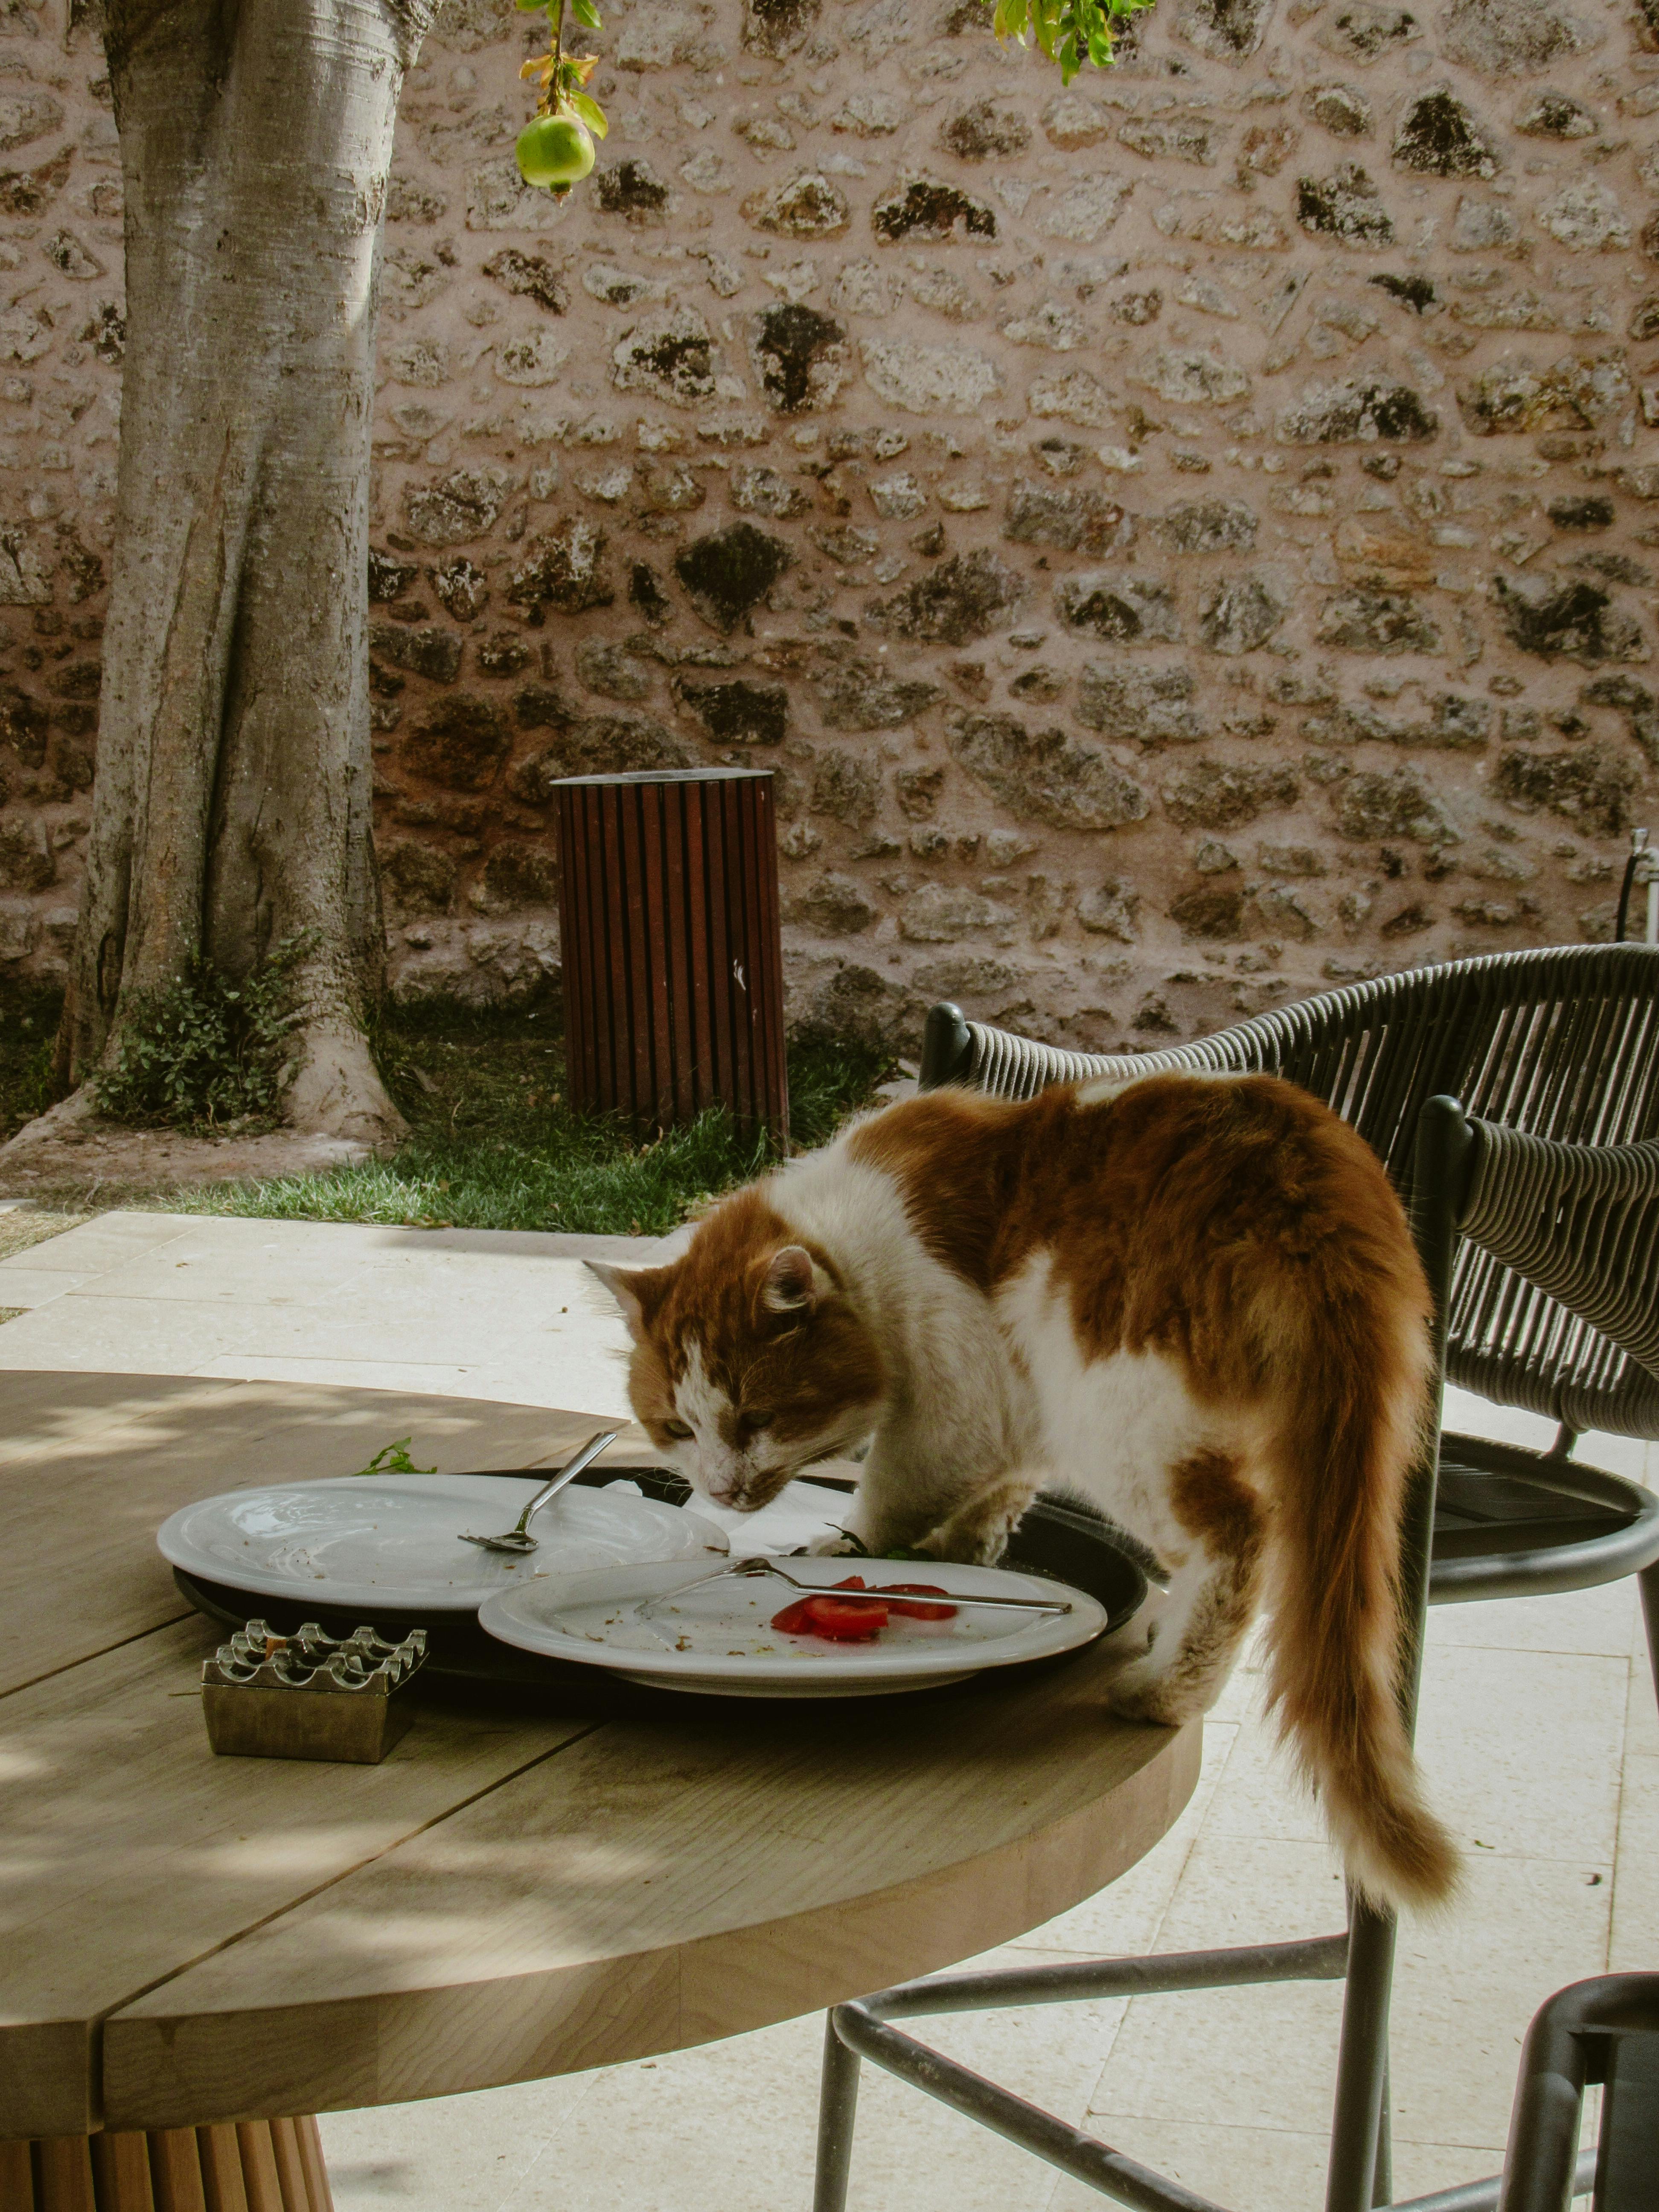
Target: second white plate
394, 1540
718, 1639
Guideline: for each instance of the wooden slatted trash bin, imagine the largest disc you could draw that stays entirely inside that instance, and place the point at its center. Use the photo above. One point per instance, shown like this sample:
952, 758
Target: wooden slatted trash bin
673, 964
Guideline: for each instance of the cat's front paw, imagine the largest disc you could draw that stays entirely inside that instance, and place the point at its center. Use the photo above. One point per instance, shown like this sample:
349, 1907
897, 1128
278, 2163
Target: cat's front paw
836, 1544
977, 1533
952, 1546
1147, 1690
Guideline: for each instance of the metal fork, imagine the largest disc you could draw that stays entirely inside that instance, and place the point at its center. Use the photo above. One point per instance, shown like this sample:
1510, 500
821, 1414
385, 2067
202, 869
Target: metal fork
519, 1539
881, 1594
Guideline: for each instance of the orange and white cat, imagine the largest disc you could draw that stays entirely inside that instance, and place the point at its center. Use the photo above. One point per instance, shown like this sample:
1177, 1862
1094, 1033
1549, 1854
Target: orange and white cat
1193, 1299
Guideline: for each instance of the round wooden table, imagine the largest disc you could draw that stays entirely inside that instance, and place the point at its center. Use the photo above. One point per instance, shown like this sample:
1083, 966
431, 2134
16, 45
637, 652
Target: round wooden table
194, 1944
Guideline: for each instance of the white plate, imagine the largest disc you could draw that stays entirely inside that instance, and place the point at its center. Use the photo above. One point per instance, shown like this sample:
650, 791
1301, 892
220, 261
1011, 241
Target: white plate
394, 1540
720, 1639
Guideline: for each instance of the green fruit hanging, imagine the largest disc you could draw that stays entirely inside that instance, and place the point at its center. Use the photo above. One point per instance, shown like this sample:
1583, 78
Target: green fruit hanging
555, 149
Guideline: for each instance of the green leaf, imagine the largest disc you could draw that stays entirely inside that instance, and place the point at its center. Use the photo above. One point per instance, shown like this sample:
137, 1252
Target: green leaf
531, 7
586, 14
393, 1459
590, 113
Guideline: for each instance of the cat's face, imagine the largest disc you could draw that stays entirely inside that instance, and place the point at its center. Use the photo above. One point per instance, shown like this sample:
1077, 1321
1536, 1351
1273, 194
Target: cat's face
749, 1361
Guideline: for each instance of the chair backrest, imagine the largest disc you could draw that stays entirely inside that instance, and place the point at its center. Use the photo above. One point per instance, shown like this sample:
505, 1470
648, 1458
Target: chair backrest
1562, 1042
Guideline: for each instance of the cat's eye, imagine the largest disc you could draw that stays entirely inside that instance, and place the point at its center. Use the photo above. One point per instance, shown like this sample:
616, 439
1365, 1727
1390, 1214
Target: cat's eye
676, 1429
755, 1422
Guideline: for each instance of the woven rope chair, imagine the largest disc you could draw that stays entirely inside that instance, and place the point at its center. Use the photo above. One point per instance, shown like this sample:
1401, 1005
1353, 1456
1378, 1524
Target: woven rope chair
1561, 1044
1551, 1181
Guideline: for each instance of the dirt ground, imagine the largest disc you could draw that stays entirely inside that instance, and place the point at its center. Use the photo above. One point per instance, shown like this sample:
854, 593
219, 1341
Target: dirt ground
93, 1165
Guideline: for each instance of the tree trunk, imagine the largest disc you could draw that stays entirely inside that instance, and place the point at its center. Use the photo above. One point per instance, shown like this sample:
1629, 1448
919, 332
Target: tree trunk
231, 806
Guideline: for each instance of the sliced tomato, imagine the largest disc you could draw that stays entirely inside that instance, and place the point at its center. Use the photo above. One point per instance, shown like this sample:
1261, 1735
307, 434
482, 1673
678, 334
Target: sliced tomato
841, 1621
921, 1612
846, 1620
853, 1581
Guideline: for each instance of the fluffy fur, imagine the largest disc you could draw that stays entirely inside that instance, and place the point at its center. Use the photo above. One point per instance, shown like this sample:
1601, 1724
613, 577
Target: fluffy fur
1193, 1299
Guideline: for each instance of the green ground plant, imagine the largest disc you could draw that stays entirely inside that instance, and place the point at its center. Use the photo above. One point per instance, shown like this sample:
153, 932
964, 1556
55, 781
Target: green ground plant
204, 1053
28, 1022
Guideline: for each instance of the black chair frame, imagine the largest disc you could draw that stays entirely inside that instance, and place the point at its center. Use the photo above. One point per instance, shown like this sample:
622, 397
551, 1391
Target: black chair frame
1608, 2031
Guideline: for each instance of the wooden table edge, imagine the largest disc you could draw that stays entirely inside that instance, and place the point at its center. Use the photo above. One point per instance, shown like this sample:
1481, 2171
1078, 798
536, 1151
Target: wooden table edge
167, 2070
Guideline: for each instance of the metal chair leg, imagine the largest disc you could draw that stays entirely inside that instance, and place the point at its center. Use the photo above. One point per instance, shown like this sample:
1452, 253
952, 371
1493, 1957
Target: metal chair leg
1362, 2063
838, 2101
1648, 1583
1382, 2184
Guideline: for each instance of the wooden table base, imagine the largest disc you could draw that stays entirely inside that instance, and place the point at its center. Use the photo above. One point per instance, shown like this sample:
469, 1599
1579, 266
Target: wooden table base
263, 2166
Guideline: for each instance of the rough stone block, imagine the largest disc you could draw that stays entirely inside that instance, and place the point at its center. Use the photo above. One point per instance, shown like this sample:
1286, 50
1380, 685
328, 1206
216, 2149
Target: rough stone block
600, 745
928, 379
1046, 775
1154, 706
1127, 609
960, 601
727, 574
1075, 520
460, 743
566, 569
1215, 794
737, 712
809, 204
1586, 786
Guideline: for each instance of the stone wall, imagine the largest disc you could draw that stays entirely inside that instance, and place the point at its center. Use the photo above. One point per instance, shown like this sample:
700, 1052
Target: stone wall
1177, 541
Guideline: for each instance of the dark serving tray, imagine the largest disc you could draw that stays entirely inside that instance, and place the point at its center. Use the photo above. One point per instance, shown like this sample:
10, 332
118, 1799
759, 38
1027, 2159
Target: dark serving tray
1058, 1537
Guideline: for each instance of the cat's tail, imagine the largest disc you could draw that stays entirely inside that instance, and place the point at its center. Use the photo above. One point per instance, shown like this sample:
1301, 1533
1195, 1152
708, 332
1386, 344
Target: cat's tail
1350, 1356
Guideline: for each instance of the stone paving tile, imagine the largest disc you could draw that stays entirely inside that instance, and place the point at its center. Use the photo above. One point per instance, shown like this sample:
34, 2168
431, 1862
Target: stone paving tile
1522, 1749
1469, 1982
1642, 1709
105, 1242
1635, 1939
452, 2154
1599, 1620
734, 2125
23, 1286
1257, 2169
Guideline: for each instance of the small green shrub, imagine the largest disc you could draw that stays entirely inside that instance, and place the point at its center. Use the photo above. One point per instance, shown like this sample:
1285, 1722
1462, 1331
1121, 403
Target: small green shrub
203, 1053
28, 1022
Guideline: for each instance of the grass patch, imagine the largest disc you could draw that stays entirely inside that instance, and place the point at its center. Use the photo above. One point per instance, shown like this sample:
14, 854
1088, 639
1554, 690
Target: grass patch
23, 1226
494, 1145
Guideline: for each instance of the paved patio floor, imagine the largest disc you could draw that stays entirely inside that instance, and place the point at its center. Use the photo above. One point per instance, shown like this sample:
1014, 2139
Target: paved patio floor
1539, 1734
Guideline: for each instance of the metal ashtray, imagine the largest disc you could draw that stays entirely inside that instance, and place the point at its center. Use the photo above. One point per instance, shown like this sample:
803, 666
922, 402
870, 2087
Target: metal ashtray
309, 1695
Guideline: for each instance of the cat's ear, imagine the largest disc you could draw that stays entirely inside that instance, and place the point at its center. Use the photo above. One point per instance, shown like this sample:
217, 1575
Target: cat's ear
631, 1288
794, 1283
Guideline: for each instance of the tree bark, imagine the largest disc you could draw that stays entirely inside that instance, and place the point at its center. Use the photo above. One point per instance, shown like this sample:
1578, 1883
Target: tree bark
232, 805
